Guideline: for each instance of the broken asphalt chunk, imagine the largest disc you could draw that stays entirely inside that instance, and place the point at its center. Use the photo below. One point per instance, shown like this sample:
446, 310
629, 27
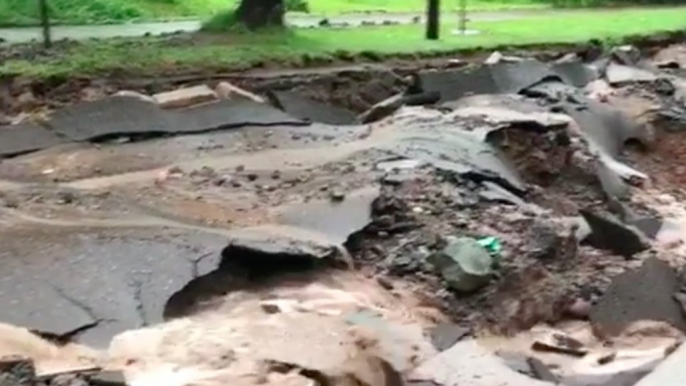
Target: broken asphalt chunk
649, 225
390, 105
541, 371
273, 248
137, 271
499, 78
113, 117
610, 234
25, 138
645, 293
618, 75
445, 335
310, 110
338, 218
557, 341
464, 264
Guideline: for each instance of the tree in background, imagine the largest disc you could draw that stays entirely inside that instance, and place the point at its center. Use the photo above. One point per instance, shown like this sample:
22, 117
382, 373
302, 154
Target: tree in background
261, 13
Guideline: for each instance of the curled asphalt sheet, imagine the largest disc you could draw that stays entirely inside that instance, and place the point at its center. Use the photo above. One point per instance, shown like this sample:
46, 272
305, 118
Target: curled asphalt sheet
604, 127
502, 78
25, 138
435, 138
124, 116
310, 110
457, 142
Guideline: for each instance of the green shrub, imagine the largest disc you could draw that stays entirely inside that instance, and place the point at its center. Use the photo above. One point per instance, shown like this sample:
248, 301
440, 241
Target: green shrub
224, 21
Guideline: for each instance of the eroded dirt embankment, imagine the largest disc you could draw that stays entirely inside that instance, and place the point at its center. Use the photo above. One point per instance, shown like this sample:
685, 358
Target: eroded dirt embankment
249, 240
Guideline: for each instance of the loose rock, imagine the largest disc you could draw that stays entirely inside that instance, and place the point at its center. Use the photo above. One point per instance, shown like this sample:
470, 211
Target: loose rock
464, 265
610, 234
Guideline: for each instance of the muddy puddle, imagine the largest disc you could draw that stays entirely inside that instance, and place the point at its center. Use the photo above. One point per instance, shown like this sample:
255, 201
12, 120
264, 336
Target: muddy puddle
512, 223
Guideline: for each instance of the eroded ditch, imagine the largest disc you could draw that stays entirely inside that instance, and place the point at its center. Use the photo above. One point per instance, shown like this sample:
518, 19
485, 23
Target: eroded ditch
500, 234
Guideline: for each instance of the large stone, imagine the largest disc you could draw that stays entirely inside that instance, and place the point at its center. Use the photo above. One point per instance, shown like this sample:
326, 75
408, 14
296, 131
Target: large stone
642, 294
185, 97
464, 264
610, 234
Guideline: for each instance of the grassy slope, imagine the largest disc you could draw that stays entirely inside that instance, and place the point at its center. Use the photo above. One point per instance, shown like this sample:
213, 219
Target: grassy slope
223, 52
22, 12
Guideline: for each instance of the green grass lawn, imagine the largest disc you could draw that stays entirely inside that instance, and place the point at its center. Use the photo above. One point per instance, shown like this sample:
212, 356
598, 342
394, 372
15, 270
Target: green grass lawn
199, 53
25, 12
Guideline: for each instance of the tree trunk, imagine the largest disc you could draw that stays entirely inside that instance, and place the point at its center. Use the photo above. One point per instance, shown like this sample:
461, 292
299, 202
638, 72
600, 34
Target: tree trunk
45, 22
261, 13
433, 10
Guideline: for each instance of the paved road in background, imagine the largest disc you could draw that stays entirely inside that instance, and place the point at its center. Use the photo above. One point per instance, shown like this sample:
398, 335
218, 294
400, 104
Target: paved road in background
23, 35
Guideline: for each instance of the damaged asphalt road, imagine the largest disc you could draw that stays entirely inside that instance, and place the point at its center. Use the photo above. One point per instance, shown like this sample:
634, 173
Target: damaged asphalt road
224, 238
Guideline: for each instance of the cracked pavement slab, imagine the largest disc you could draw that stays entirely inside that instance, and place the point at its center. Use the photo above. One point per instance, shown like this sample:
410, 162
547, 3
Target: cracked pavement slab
95, 283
